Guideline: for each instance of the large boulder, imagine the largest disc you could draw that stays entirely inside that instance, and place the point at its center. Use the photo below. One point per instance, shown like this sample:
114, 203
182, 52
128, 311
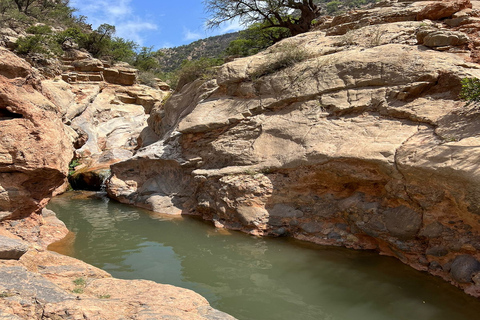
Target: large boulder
362, 143
120, 75
12, 248
437, 10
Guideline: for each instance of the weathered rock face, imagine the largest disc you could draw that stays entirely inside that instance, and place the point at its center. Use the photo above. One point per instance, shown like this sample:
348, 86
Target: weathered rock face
82, 67
46, 285
363, 144
105, 121
29, 126
102, 121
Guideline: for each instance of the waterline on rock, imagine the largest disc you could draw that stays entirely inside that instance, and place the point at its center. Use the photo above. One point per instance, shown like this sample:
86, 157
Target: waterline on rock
254, 278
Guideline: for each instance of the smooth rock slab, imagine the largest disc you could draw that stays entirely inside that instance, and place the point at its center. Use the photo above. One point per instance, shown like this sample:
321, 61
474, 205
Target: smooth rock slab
12, 248
28, 284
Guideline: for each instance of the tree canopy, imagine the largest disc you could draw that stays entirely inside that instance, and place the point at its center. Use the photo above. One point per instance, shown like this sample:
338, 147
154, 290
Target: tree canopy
294, 15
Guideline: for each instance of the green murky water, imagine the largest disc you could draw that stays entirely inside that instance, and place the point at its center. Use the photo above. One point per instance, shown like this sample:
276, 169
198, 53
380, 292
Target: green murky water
251, 278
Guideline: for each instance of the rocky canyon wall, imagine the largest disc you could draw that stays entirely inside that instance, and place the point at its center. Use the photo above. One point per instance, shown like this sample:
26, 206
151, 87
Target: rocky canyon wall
44, 123
361, 142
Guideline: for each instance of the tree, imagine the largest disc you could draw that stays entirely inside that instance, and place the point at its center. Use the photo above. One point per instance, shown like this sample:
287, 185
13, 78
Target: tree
23, 5
255, 39
294, 15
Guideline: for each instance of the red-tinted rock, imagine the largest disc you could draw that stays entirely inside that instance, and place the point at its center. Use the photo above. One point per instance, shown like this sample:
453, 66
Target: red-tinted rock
34, 149
443, 9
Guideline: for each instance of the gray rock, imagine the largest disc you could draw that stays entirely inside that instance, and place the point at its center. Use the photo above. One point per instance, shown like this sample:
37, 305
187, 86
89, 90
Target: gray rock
432, 230
312, 227
8, 316
28, 284
12, 248
249, 214
437, 251
444, 38
463, 268
284, 211
213, 314
403, 222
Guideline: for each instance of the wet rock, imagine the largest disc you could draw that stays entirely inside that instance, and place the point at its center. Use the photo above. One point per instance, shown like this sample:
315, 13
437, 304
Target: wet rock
284, 211
93, 180
212, 314
12, 248
432, 230
403, 222
250, 215
312, 227
437, 251
463, 267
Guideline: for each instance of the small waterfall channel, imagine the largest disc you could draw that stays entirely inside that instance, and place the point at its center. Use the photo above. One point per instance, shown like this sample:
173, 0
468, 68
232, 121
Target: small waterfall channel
252, 278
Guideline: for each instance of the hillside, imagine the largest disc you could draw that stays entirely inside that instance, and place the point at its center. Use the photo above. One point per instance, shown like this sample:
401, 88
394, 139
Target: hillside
171, 58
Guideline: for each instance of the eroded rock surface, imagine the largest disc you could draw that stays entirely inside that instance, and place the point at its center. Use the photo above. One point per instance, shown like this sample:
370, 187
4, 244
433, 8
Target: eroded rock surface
363, 144
29, 126
46, 285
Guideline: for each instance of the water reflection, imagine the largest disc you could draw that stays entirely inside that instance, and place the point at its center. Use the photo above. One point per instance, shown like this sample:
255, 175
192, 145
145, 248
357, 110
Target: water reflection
254, 278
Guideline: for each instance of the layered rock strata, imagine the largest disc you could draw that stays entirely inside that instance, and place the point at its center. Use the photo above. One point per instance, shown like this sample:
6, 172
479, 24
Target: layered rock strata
35, 148
362, 142
41, 123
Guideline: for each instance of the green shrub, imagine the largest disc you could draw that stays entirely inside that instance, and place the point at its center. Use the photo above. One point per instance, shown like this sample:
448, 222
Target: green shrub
333, 6
470, 90
197, 69
40, 29
38, 43
255, 39
80, 282
147, 78
282, 57
71, 169
145, 60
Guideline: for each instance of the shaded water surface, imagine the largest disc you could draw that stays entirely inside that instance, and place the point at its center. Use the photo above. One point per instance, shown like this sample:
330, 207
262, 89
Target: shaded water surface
251, 278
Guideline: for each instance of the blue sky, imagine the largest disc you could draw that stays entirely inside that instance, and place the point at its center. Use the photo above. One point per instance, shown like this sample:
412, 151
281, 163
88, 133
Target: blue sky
157, 23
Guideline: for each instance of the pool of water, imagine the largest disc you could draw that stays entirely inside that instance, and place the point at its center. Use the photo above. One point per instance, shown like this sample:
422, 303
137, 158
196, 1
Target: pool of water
253, 278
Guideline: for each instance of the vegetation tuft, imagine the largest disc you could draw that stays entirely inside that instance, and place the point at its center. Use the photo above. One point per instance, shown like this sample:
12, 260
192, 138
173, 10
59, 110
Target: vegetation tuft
470, 90
202, 68
283, 57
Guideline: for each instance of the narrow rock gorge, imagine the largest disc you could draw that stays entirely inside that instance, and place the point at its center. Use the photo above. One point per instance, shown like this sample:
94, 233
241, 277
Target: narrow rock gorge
363, 142
44, 124
350, 135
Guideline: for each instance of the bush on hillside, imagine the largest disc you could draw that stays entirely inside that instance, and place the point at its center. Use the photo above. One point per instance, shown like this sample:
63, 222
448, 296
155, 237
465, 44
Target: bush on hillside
282, 57
470, 90
255, 39
197, 69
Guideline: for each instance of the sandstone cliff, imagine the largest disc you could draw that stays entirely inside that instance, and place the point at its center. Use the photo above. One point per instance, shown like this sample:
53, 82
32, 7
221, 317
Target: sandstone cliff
363, 142
44, 123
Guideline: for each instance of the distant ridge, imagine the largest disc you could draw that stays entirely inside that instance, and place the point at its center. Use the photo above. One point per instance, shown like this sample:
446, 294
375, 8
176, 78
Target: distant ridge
212, 47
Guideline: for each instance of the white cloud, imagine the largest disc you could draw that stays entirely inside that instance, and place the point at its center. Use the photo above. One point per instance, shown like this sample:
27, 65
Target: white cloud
231, 26
119, 13
189, 35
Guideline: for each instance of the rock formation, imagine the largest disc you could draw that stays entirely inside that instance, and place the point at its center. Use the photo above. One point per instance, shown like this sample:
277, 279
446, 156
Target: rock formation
29, 126
40, 284
362, 142
41, 123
